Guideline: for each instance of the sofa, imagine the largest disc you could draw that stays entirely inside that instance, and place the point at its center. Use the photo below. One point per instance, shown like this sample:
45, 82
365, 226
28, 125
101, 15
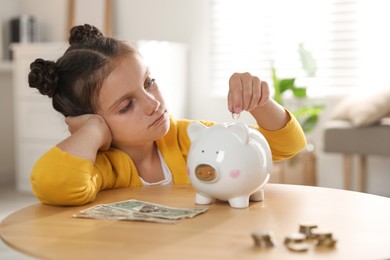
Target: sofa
359, 126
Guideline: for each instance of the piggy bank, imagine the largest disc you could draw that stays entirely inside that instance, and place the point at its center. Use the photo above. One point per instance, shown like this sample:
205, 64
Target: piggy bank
229, 162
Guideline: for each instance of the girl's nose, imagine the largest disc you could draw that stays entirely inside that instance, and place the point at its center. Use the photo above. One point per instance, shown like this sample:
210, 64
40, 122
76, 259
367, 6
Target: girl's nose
151, 104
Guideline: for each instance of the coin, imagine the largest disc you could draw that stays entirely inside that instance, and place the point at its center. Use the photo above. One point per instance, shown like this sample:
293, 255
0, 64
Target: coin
235, 115
149, 209
298, 247
296, 242
329, 242
295, 238
306, 229
321, 234
324, 238
263, 239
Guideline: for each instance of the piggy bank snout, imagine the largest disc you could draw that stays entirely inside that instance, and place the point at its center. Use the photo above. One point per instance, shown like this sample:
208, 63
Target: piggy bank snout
205, 172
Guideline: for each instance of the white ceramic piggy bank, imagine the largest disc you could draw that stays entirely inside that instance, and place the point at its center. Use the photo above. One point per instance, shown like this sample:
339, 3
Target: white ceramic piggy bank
229, 162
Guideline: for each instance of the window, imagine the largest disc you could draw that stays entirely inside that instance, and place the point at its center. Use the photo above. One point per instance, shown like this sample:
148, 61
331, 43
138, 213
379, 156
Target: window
254, 35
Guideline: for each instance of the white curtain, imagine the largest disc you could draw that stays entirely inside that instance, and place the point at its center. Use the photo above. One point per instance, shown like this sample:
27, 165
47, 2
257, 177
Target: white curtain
342, 36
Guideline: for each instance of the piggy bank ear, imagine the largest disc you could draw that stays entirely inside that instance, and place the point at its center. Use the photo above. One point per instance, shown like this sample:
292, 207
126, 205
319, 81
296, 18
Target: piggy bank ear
195, 129
241, 131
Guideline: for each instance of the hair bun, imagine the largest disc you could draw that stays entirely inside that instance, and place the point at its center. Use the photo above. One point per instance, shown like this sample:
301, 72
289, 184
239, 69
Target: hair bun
84, 33
43, 77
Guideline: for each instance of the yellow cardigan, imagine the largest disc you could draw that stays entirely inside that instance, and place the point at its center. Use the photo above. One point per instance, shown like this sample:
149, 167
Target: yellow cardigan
59, 178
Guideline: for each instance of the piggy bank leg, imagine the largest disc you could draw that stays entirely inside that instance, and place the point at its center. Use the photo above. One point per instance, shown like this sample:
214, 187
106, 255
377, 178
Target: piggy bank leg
257, 195
239, 202
203, 199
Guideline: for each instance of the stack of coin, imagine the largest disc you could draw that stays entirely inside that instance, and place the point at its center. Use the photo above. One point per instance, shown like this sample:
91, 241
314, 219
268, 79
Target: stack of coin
307, 229
324, 238
308, 236
263, 239
296, 242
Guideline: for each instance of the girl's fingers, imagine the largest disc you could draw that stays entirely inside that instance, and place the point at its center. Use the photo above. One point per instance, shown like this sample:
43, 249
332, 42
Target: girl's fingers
246, 92
265, 94
256, 93
235, 94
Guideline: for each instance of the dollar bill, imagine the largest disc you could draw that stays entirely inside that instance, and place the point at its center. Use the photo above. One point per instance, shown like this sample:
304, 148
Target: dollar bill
157, 210
101, 211
139, 211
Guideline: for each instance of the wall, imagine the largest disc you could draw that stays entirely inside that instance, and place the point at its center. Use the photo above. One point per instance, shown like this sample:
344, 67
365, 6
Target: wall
7, 10
53, 28
53, 22
6, 127
52, 16
170, 20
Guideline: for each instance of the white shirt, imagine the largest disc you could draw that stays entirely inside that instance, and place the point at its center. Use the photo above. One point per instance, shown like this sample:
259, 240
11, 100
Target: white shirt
167, 173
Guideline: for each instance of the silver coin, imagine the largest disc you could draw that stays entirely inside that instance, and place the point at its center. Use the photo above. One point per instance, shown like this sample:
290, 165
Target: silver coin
298, 247
321, 234
295, 238
235, 116
262, 239
307, 229
328, 243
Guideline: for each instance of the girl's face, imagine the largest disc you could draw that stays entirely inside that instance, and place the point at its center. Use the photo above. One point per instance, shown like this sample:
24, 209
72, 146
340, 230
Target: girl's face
132, 105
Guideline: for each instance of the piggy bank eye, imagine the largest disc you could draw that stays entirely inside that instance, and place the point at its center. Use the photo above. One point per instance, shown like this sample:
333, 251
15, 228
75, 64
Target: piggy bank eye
217, 152
202, 151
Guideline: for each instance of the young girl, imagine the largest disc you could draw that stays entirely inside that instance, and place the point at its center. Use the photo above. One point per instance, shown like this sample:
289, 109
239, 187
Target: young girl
121, 132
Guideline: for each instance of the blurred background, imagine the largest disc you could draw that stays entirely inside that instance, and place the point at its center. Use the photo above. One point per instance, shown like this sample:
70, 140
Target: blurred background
332, 49
322, 51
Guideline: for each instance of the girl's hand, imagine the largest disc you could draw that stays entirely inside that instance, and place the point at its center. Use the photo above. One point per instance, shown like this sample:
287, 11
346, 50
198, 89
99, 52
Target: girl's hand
94, 126
246, 92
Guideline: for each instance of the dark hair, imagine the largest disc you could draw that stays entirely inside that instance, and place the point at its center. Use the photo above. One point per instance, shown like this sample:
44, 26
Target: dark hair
75, 79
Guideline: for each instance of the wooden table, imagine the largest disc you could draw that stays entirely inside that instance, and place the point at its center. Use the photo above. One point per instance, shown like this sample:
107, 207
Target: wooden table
360, 223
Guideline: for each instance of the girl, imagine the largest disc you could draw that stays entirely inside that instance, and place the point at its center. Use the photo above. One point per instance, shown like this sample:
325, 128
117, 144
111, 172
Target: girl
121, 132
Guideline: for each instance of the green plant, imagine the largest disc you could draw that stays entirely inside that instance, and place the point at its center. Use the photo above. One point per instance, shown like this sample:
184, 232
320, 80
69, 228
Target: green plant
307, 114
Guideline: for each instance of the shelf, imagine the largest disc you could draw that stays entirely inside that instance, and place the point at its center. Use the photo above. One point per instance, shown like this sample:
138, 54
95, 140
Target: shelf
5, 66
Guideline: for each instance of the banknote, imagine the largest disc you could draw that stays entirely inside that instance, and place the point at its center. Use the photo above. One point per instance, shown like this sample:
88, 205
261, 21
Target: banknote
104, 212
139, 211
157, 210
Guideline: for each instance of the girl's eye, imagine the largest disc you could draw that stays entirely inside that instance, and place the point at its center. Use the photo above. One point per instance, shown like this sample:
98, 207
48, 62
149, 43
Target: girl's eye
125, 108
150, 82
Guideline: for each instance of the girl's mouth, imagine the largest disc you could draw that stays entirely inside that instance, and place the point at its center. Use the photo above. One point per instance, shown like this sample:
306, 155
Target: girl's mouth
158, 120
